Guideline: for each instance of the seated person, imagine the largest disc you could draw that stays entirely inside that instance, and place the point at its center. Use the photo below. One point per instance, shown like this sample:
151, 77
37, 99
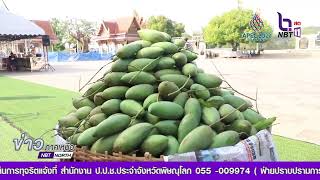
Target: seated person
12, 62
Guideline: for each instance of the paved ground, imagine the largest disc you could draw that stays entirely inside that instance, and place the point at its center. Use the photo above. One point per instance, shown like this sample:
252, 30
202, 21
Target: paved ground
68, 75
288, 88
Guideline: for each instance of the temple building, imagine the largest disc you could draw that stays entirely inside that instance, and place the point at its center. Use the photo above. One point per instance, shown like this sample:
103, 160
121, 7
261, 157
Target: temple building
114, 34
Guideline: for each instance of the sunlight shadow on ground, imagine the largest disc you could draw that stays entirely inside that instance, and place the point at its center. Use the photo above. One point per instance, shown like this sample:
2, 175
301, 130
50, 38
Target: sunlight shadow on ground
24, 97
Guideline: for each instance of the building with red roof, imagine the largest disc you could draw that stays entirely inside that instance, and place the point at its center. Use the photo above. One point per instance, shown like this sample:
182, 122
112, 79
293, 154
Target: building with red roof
47, 27
114, 34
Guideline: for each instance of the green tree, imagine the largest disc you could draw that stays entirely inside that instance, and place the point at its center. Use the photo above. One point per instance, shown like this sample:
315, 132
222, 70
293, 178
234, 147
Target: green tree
162, 23
229, 27
59, 28
73, 31
178, 29
276, 43
311, 30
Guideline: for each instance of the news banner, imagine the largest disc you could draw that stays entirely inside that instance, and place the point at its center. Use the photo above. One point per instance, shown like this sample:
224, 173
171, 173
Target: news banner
205, 164
172, 169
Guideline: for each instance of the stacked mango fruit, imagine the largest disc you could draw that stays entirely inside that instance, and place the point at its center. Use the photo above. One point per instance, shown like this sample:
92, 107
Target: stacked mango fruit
155, 99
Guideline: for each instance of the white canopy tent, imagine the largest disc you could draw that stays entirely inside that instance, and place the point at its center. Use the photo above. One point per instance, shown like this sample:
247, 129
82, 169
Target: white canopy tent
13, 27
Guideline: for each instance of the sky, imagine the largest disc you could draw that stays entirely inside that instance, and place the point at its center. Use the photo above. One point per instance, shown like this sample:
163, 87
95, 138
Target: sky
195, 14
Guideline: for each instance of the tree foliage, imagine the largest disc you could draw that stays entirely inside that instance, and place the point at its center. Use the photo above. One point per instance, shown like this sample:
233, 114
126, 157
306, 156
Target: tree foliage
276, 43
229, 27
59, 28
311, 30
162, 23
72, 31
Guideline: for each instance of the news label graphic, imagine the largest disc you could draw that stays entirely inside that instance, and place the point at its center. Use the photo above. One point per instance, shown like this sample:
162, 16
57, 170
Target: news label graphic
288, 27
49, 151
256, 24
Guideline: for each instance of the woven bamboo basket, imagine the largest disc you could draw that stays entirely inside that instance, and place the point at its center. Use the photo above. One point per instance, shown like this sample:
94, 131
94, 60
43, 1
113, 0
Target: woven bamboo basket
84, 155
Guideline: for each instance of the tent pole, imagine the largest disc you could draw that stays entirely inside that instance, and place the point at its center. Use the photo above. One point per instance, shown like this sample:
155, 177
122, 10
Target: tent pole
46, 49
5, 5
12, 46
25, 47
44, 53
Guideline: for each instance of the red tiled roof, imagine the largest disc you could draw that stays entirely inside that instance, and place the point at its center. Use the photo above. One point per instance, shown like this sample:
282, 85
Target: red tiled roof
46, 26
112, 26
124, 23
121, 25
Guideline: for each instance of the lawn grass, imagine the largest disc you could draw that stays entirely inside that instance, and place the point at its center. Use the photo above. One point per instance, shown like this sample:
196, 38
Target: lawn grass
36, 108
33, 107
295, 150
8, 153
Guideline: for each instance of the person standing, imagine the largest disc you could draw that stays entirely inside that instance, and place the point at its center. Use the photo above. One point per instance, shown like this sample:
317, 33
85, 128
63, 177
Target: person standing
12, 62
188, 45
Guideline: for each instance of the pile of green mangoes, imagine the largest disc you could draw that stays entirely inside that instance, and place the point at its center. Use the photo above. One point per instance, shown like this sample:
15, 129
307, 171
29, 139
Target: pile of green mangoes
155, 99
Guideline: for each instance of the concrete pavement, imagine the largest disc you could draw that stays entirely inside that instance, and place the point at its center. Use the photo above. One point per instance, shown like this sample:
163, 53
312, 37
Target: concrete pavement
287, 89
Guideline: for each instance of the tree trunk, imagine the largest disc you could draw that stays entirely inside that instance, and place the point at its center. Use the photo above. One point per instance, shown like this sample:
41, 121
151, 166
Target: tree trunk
235, 46
259, 47
85, 45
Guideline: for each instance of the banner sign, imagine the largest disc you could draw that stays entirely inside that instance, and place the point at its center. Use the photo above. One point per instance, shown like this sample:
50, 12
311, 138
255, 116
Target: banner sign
146, 170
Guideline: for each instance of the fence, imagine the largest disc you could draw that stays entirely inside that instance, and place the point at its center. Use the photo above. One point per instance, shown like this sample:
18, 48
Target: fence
66, 56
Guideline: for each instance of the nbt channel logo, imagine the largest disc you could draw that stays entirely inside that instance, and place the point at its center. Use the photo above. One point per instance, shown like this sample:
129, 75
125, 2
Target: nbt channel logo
288, 28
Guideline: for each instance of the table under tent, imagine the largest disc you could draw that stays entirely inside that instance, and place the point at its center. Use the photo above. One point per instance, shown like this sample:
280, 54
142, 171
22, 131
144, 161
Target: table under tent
15, 28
